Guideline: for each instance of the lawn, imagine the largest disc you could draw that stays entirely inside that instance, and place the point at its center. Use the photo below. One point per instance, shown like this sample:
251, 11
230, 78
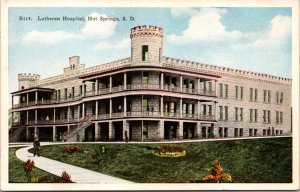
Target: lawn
17, 174
248, 161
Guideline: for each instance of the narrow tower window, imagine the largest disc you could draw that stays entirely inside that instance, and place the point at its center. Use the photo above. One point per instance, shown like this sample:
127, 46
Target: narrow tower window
145, 55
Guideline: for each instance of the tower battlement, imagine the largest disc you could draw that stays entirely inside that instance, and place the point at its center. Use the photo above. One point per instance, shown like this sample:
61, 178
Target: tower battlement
146, 30
28, 77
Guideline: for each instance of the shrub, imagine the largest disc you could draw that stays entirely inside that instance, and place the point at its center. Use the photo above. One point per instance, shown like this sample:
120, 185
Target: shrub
29, 168
73, 148
65, 178
216, 174
101, 154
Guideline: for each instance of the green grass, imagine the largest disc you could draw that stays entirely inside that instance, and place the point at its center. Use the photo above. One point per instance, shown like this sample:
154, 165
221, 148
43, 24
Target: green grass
248, 161
17, 174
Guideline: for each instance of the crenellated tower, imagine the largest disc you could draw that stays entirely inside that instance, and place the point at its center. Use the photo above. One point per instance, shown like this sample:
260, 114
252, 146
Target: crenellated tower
25, 80
146, 44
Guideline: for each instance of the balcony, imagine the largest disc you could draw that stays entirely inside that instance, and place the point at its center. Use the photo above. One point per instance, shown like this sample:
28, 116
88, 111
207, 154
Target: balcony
189, 116
143, 86
171, 115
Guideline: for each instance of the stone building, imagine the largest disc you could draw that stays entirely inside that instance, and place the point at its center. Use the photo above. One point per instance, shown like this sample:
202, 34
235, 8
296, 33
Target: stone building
149, 97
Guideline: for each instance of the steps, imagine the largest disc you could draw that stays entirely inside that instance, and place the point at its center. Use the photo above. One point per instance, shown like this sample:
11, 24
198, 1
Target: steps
75, 130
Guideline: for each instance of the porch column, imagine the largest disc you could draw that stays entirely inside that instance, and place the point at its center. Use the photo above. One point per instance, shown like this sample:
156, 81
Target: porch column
27, 98
180, 108
198, 130
12, 101
180, 130
84, 89
35, 117
97, 132
54, 133
110, 107
206, 133
216, 82
180, 83
110, 83
96, 109
36, 132
110, 131
198, 86
54, 116
97, 86
78, 112
198, 109
68, 114
161, 106
83, 110
125, 81
27, 117
162, 80
36, 97
161, 129
125, 106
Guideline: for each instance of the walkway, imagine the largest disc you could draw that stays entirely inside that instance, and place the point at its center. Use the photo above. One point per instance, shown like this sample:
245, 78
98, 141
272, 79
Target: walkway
78, 174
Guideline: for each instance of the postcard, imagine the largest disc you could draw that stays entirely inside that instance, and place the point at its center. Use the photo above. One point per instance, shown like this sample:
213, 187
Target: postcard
133, 95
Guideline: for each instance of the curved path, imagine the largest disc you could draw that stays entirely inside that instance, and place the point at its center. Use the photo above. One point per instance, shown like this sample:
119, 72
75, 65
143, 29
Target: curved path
78, 174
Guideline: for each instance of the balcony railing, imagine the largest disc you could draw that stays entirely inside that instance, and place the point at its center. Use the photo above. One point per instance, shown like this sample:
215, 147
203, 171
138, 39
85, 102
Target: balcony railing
117, 115
119, 88
207, 117
171, 115
190, 116
143, 114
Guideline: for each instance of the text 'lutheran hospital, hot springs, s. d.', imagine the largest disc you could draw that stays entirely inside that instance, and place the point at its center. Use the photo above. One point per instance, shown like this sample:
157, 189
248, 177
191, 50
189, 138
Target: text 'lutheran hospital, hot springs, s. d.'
149, 97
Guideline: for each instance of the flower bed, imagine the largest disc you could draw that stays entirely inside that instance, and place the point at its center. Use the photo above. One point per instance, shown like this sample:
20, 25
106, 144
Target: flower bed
73, 148
169, 151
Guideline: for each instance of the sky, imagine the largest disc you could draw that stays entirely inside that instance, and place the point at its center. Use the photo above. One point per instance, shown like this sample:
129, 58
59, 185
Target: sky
254, 39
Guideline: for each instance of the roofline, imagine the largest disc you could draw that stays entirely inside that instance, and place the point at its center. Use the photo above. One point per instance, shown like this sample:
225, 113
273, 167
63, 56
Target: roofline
32, 89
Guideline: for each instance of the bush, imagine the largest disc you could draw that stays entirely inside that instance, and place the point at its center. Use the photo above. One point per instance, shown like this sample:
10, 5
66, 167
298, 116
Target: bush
169, 151
73, 148
216, 174
65, 178
101, 154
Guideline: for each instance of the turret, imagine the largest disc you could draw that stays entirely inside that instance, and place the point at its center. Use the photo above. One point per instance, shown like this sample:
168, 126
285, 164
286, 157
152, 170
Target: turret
146, 44
25, 80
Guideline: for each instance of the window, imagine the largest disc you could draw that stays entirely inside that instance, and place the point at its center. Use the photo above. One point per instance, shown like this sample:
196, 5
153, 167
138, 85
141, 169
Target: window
210, 110
221, 89
251, 94
264, 132
250, 132
80, 89
281, 117
73, 92
255, 132
255, 94
173, 107
251, 115
145, 78
237, 95
277, 116
255, 115
225, 132
209, 86
267, 96
236, 113
204, 109
281, 97
241, 114
226, 112
277, 97
145, 53
58, 94
236, 92
242, 92
236, 130
66, 93
241, 132
221, 112
267, 116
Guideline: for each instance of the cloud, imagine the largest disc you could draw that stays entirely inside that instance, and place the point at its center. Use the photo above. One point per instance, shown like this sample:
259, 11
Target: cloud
48, 37
125, 43
181, 11
281, 27
92, 29
101, 29
205, 25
